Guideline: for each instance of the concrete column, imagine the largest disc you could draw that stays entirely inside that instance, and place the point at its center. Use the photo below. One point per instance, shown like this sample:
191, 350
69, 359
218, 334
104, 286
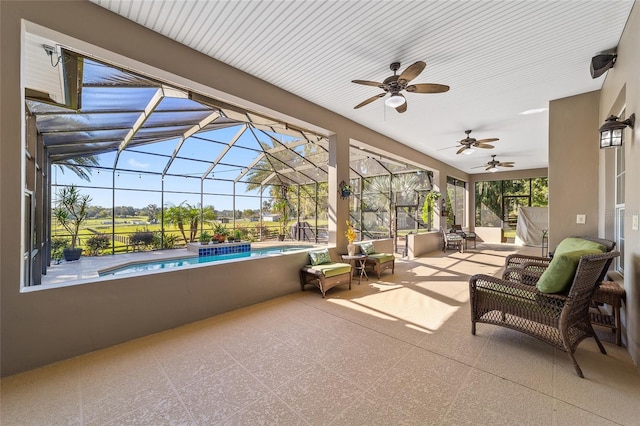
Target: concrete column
338, 168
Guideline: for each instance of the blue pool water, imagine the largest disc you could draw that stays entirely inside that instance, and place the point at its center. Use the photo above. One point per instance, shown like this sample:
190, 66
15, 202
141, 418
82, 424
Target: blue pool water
159, 265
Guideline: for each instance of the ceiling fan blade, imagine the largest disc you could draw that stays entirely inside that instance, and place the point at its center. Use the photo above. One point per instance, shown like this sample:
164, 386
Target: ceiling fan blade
367, 83
427, 88
488, 167
487, 140
368, 101
403, 107
411, 72
483, 145
505, 165
448, 147
461, 150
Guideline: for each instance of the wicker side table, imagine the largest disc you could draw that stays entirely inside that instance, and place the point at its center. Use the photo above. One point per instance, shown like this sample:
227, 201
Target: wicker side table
612, 294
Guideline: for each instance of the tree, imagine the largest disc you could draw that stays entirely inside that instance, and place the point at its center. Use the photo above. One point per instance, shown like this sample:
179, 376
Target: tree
281, 206
152, 211
71, 211
81, 166
176, 215
249, 213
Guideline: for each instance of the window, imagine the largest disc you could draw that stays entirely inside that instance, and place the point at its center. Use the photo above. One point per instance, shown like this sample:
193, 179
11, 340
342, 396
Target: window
192, 164
456, 202
497, 202
620, 208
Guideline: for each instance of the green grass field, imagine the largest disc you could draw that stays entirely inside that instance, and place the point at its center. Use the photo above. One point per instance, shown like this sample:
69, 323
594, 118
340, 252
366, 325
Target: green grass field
126, 226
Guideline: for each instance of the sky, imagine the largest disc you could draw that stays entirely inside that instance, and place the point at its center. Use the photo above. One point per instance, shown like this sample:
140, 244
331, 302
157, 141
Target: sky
138, 180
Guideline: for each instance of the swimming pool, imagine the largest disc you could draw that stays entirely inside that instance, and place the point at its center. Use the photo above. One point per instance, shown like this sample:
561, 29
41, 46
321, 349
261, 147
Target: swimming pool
159, 265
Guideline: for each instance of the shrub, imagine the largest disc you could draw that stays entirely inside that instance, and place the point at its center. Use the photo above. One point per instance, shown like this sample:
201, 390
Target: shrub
205, 237
96, 243
57, 245
170, 241
141, 239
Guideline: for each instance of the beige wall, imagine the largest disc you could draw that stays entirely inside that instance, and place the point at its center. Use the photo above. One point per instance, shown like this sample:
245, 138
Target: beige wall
573, 166
622, 87
421, 244
40, 327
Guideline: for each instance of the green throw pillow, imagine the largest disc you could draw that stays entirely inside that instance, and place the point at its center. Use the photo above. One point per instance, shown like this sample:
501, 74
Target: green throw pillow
575, 243
320, 257
367, 248
559, 274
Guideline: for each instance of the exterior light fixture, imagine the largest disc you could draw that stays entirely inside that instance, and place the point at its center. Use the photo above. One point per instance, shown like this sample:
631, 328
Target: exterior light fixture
395, 100
612, 131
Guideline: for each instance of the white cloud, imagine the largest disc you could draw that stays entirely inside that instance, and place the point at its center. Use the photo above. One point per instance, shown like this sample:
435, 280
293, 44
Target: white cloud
134, 163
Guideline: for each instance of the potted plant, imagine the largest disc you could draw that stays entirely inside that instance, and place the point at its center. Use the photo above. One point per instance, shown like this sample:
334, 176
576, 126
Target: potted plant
350, 233
345, 190
427, 209
71, 212
220, 232
205, 237
237, 234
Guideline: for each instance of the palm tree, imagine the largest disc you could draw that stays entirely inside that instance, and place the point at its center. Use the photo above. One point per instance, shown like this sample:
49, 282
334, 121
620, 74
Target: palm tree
81, 166
176, 215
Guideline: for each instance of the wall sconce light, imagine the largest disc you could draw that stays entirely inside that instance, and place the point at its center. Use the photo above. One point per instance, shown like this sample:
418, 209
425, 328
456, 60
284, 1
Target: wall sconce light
443, 207
612, 131
345, 190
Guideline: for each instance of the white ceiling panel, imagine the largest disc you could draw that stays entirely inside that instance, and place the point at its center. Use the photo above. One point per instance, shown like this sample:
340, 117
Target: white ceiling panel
500, 58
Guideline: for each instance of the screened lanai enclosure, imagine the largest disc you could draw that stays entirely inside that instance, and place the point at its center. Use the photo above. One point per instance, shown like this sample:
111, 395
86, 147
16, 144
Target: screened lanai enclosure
160, 166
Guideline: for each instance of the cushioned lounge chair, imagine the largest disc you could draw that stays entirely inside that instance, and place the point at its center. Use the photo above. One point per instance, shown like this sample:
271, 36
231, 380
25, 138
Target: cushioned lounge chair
466, 235
451, 240
558, 318
325, 273
377, 262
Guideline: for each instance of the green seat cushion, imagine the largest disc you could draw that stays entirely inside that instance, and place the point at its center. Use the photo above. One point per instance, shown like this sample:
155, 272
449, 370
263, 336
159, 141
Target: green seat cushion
319, 257
575, 244
559, 274
367, 248
382, 257
332, 269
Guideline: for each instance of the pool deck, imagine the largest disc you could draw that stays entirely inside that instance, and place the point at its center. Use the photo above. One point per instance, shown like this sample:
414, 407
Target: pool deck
88, 266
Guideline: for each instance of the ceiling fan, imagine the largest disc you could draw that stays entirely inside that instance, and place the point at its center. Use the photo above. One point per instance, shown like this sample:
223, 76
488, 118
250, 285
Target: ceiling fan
469, 143
396, 83
492, 166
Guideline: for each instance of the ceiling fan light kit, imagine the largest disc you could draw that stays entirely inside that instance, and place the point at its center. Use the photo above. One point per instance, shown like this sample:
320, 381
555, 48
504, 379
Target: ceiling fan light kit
396, 83
492, 166
468, 144
395, 100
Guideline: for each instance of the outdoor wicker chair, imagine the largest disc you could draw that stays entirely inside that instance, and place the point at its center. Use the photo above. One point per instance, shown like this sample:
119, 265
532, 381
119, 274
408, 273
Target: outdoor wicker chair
324, 272
527, 269
560, 319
